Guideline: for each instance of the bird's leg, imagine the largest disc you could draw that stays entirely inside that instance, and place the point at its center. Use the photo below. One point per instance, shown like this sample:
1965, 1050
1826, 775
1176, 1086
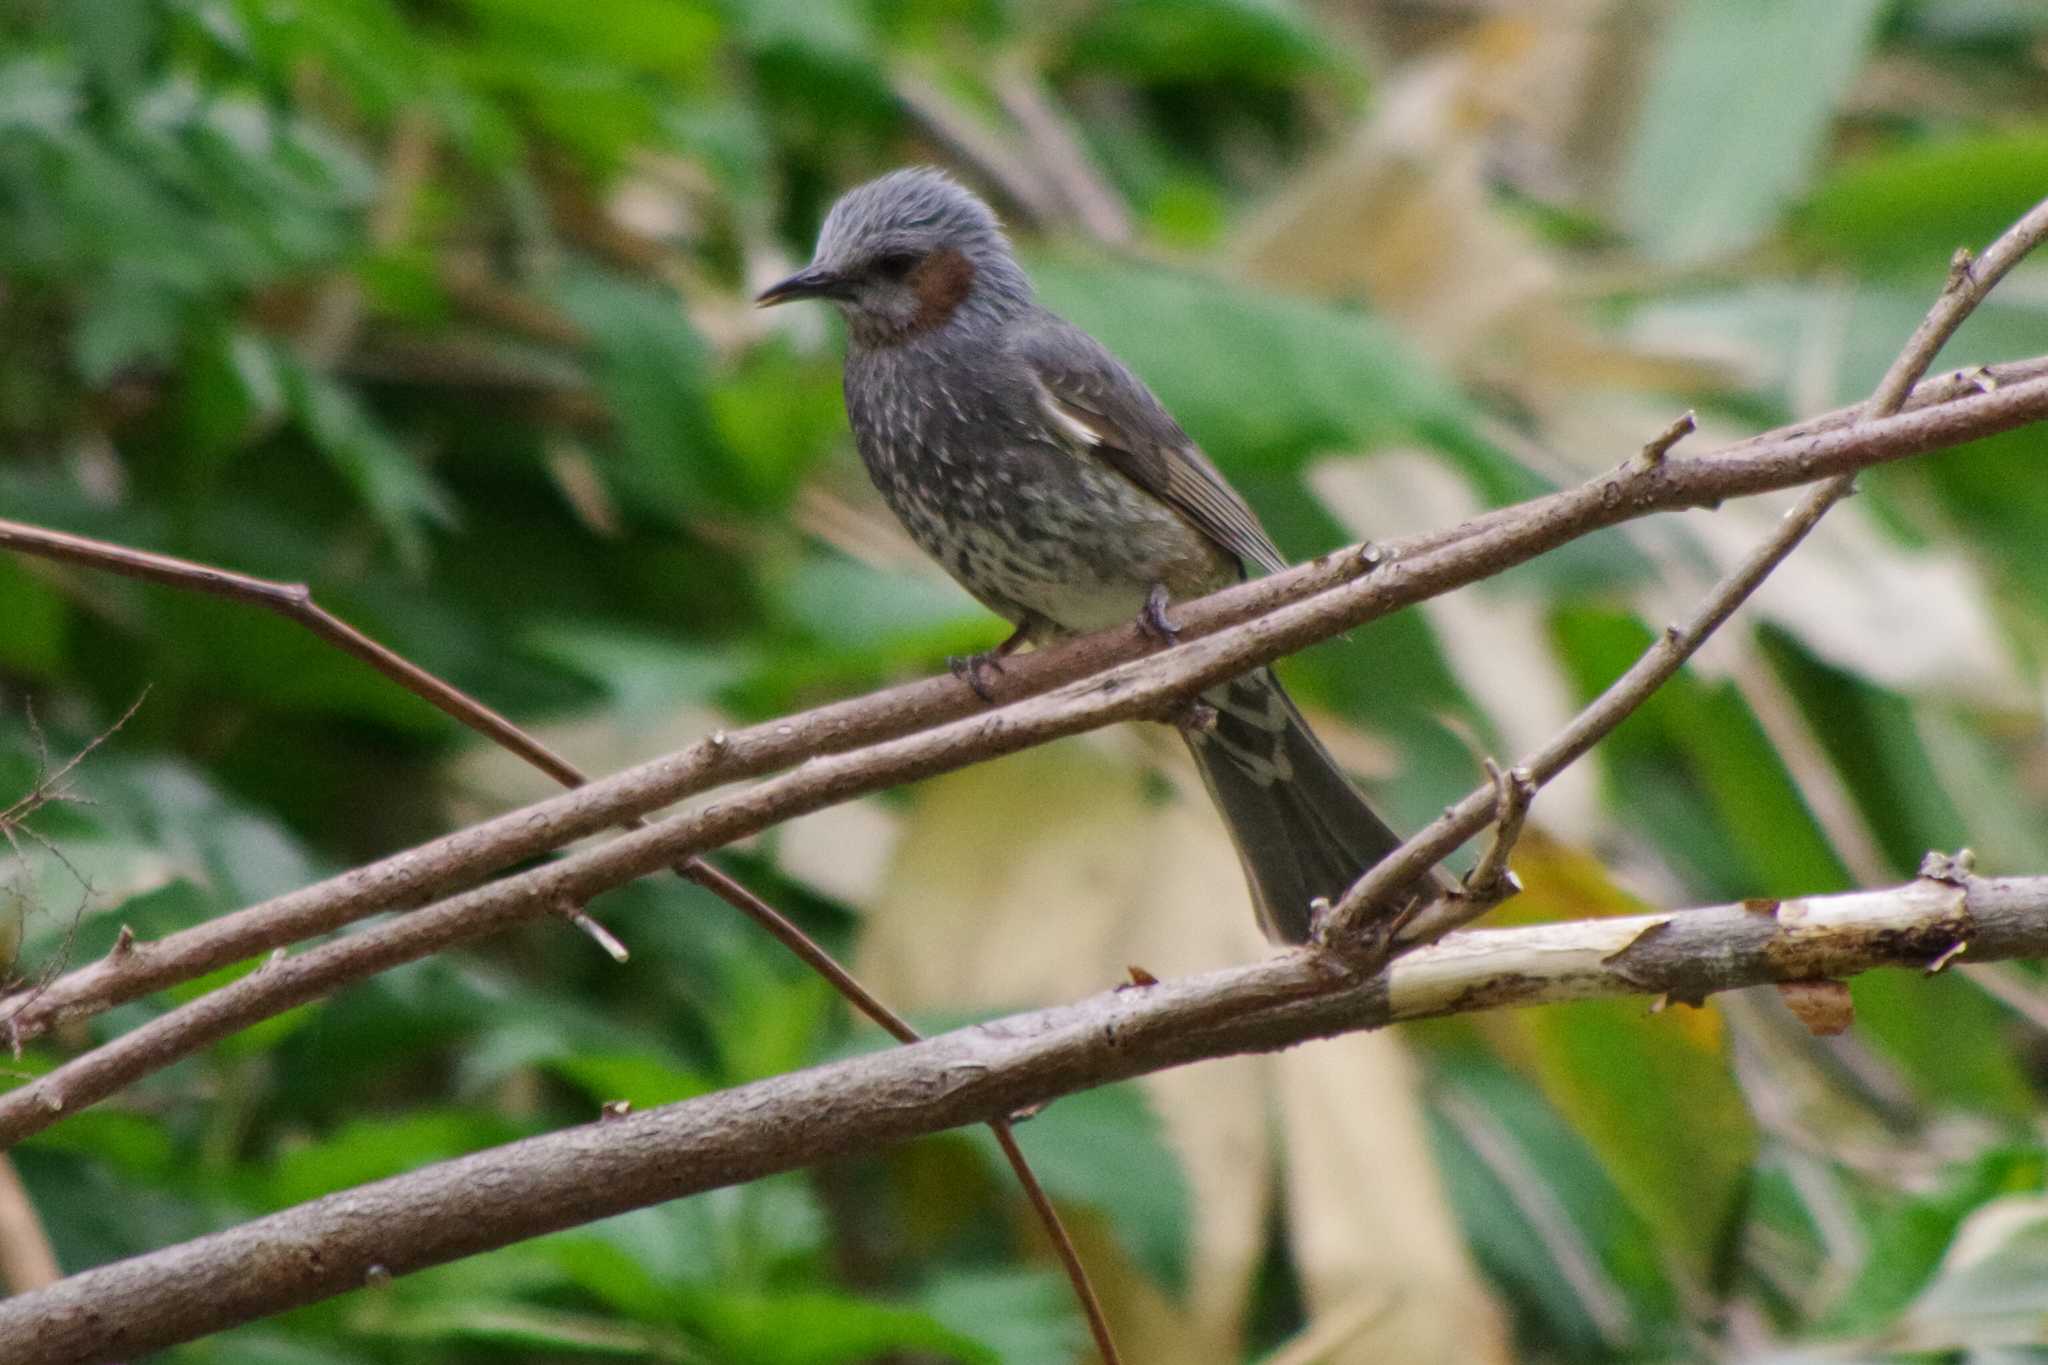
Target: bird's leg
1152, 618
973, 669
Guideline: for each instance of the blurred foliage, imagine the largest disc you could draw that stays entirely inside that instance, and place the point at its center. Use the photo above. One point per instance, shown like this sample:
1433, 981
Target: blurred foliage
441, 306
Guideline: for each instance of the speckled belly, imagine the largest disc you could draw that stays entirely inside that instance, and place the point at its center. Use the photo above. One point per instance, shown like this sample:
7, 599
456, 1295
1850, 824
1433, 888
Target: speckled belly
1043, 532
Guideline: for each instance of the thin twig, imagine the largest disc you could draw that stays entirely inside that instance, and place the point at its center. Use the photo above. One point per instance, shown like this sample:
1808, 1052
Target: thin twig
1145, 688
1969, 281
1258, 620
295, 602
818, 960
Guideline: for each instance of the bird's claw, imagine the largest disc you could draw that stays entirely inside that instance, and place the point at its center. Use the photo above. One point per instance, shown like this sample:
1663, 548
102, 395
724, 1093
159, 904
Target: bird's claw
973, 669
1153, 617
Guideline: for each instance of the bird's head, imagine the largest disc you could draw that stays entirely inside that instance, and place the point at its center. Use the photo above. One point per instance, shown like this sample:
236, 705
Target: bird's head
906, 254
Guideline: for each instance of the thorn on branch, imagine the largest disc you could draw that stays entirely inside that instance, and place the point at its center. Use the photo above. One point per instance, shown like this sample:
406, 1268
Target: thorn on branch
124, 945
612, 1110
1657, 447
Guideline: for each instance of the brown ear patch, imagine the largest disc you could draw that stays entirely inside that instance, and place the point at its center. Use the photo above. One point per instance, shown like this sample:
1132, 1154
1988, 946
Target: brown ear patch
941, 280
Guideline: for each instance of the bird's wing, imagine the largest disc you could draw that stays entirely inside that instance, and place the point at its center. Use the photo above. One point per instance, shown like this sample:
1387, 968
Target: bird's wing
1106, 410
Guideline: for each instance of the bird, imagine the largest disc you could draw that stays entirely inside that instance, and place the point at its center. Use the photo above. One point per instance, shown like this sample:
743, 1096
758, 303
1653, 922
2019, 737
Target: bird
1053, 486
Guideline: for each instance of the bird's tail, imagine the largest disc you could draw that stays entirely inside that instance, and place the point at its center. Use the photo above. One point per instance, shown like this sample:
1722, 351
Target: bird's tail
1301, 829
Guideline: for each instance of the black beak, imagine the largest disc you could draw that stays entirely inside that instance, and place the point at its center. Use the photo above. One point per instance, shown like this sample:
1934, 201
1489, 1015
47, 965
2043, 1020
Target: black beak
814, 283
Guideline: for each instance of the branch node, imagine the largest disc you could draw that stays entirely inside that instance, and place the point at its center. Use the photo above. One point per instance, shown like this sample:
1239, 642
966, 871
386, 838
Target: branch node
1372, 555
597, 933
1951, 869
1491, 881
1960, 274
124, 945
376, 1276
50, 1098
1657, 447
613, 1110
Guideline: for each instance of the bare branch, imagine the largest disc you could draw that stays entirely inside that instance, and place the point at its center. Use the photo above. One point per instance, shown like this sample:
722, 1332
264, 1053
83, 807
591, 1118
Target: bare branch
1969, 281
540, 1185
1141, 689
295, 602
1329, 595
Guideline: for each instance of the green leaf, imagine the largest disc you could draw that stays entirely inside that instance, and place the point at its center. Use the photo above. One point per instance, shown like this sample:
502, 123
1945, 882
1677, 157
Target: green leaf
394, 487
645, 675
1104, 1148
651, 368
1737, 114
1655, 1098
667, 1261
454, 1320
126, 322
1264, 383
1992, 1288
1877, 213
881, 617
1909, 1235
1024, 1317
640, 1080
823, 1328
364, 1150
661, 37
1250, 40
37, 622
1542, 1215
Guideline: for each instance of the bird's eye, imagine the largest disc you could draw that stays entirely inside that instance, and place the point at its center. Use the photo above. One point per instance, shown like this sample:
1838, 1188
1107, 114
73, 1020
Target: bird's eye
895, 265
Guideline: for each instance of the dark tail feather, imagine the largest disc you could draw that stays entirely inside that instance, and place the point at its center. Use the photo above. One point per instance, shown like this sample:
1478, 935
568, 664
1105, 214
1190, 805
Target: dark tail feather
1301, 829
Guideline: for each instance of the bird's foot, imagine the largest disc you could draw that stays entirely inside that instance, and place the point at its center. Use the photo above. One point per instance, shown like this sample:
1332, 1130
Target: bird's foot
1152, 619
973, 669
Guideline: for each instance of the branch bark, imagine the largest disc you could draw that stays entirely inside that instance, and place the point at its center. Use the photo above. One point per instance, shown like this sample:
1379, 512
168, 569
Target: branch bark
524, 1189
1970, 280
1142, 688
1323, 598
